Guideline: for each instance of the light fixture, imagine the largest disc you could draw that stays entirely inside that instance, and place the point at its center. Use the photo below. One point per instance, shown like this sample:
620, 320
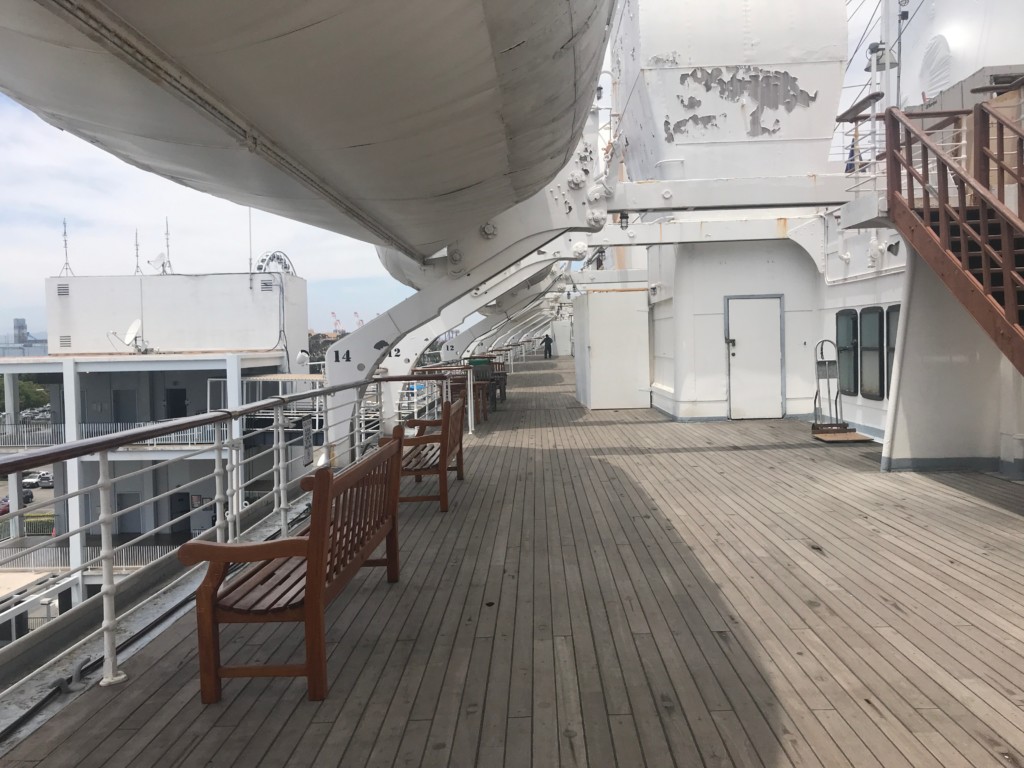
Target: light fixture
880, 58
303, 357
624, 220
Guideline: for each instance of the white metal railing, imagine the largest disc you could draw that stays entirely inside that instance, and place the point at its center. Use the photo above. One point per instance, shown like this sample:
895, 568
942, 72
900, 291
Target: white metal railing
864, 144
111, 511
37, 434
59, 558
201, 435
31, 434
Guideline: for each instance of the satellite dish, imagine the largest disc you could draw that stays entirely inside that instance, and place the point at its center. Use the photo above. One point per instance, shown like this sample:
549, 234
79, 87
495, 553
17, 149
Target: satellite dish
160, 262
133, 332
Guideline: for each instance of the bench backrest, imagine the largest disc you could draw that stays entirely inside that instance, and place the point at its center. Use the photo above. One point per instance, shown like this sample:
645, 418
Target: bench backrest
349, 513
453, 423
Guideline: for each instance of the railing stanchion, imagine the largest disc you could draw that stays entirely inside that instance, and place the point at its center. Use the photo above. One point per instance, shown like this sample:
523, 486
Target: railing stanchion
280, 482
220, 484
328, 429
234, 489
111, 675
470, 412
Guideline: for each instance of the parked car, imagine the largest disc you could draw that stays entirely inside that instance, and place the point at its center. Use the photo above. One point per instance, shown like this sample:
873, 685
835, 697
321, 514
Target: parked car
30, 480
45, 480
26, 498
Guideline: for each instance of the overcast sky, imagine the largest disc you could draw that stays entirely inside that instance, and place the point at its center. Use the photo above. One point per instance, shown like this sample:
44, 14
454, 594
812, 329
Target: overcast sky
47, 175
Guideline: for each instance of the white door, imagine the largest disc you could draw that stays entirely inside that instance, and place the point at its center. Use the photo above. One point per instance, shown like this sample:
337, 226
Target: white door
754, 344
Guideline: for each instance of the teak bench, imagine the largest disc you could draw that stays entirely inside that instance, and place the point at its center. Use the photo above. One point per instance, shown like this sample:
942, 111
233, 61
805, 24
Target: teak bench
294, 579
435, 452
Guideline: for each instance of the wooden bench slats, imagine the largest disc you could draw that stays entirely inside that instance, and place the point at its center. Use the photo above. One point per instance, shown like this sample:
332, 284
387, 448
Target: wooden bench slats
293, 579
269, 588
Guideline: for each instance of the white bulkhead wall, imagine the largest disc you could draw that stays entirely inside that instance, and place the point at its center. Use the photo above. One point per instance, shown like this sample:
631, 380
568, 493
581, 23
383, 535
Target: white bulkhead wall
705, 275
179, 313
728, 89
958, 402
561, 335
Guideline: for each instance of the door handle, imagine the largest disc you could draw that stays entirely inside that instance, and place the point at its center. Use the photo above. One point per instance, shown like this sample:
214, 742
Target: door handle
730, 342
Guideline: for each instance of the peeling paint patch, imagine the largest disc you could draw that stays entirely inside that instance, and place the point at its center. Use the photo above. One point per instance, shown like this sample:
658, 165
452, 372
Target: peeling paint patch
771, 90
664, 59
682, 127
691, 103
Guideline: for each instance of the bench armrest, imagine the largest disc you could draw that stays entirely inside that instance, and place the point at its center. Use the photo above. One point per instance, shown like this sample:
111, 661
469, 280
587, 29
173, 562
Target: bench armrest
422, 439
194, 552
423, 423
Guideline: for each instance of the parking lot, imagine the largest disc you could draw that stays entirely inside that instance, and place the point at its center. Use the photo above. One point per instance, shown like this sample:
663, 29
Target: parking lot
40, 516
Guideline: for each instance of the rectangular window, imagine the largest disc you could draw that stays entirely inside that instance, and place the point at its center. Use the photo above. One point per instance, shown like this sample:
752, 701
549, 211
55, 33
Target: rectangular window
872, 344
846, 342
892, 324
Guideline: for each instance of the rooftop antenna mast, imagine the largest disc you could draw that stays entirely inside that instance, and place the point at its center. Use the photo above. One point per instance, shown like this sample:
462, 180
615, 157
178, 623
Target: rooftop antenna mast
166, 268
138, 269
66, 269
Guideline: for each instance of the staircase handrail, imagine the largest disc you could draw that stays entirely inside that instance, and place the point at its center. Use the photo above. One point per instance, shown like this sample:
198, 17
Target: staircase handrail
963, 282
1014, 128
895, 158
984, 155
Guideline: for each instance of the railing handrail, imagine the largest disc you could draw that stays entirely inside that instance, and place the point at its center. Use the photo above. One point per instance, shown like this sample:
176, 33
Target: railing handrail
90, 445
417, 379
954, 166
1005, 121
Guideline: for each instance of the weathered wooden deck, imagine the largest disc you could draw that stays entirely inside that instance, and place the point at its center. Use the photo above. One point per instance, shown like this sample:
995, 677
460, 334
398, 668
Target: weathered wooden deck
611, 588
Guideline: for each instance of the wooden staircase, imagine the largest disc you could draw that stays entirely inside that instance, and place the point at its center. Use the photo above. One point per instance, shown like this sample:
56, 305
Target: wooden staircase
961, 227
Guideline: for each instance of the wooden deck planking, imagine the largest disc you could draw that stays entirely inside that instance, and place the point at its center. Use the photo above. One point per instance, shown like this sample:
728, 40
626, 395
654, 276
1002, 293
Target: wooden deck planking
611, 588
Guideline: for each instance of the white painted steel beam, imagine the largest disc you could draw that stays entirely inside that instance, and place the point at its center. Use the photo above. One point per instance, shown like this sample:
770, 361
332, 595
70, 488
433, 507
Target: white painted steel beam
414, 343
727, 194
805, 227
510, 305
408, 349
520, 325
496, 337
478, 255
532, 330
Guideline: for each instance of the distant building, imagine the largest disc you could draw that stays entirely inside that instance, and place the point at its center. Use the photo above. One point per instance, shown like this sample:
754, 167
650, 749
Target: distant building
128, 351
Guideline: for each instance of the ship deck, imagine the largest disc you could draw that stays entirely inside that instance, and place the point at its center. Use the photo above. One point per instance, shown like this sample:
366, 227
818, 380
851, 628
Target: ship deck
612, 588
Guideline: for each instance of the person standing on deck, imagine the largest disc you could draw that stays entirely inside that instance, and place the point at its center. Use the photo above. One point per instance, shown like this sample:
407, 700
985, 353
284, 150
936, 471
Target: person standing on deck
547, 346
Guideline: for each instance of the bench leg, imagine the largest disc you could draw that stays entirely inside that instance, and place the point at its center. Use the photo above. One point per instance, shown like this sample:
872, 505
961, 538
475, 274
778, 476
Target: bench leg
419, 478
458, 463
391, 548
442, 481
209, 654
316, 654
